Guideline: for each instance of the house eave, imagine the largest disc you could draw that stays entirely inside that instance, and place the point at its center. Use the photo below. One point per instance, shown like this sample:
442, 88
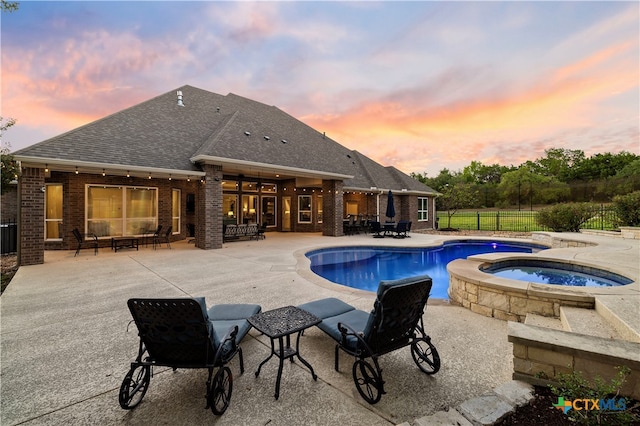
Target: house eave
377, 190
91, 167
252, 168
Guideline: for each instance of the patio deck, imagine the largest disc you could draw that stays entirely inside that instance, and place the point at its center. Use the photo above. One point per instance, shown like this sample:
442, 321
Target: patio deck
65, 347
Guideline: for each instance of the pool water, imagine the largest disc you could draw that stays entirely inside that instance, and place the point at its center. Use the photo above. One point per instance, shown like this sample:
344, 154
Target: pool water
364, 267
546, 275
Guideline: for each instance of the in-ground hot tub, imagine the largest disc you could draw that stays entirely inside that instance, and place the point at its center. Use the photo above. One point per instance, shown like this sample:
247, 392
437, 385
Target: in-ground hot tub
473, 285
552, 272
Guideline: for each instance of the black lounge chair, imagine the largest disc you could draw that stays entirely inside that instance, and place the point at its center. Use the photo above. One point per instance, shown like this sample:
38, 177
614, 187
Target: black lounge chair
182, 333
87, 239
395, 322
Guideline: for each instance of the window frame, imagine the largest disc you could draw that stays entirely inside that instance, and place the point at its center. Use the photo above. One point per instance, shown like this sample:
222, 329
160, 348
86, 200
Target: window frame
306, 211
46, 211
423, 209
123, 217
176, 228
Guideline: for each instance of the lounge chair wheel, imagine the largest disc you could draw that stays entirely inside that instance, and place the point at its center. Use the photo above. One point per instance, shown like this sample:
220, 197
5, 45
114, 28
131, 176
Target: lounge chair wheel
425, 356
134, 386
220, 392
368, 381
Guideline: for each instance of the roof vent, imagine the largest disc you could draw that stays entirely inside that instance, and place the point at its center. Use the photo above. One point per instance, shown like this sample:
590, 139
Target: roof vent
218, 110
247, 133
266, 138
283, 140
180, 103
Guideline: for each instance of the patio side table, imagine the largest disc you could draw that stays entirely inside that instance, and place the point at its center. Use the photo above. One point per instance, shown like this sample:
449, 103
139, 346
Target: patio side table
279, 324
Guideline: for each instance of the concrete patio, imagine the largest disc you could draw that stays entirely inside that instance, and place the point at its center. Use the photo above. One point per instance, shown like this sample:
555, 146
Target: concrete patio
66, 341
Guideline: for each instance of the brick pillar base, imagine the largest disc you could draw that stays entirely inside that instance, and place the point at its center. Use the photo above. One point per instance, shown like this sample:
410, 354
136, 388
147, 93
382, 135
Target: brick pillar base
332, 209
31, 225
209, 210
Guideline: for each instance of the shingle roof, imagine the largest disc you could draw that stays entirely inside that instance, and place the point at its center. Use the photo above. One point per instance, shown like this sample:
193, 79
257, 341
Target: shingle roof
160, 134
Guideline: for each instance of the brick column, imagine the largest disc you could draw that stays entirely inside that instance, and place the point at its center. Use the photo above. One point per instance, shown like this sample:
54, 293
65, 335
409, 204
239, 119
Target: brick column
332, 209
209, 210
31, 225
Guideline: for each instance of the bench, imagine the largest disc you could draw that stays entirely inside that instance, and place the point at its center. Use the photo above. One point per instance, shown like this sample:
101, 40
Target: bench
118, 243
235, 232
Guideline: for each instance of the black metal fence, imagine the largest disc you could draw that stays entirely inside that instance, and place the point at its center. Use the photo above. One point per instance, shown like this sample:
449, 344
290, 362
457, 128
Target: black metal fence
517, 221
8, 237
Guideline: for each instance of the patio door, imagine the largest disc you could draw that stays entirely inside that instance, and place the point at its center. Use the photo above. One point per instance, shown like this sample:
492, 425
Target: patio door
286, 213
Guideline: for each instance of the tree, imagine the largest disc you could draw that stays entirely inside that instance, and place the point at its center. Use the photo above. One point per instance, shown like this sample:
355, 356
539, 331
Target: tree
560, 163
9, 6
9, 167
457, 196
524, 186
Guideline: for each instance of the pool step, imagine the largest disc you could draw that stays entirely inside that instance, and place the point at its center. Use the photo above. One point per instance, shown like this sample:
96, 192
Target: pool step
623, 313
587, 321
540, 321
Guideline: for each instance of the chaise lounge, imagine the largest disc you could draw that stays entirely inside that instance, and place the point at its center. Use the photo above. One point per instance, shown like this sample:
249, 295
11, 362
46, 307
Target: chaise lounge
395, 322
182, 333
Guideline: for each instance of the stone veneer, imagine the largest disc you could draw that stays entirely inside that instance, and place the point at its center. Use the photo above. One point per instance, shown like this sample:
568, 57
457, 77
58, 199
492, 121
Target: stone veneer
541, 354
506, 299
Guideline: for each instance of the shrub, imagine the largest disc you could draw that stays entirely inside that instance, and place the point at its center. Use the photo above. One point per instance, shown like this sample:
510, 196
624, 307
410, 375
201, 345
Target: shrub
627, 207
573, 386
567, 217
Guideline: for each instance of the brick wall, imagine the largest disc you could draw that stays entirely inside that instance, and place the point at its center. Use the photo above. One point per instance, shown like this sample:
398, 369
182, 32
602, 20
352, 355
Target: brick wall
332, 210
9, 204
209, 210
31, 226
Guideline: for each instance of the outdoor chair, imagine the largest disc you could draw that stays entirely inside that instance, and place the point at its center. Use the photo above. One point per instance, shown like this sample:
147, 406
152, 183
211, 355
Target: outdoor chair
162, 238
395, 322
182, 333
82, 241
376, 229
401, 229
261, 230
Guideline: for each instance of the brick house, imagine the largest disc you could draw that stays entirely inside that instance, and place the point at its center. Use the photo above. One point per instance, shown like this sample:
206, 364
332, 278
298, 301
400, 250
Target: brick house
196, 161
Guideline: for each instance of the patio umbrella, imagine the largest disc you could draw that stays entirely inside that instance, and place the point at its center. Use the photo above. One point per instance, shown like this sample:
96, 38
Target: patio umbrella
391, 210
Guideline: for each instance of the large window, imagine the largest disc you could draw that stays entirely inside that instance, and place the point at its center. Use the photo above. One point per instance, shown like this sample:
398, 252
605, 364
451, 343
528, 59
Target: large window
53, 211
304, 208
175, 210
423, 209
118, 210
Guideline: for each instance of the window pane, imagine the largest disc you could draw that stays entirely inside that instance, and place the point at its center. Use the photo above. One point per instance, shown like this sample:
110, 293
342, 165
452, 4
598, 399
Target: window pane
304, 208
175, 210
104, 211
54, 201
268, 187
269, 211
229, 211
53, 211
141, 210
249, 186
249, 208
229, 185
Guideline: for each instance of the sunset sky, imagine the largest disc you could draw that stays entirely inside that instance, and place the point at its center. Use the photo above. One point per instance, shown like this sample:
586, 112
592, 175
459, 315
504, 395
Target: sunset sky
419, 85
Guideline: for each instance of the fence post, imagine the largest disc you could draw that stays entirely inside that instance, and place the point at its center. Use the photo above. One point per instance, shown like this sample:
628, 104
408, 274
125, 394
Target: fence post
497, 221
478, 215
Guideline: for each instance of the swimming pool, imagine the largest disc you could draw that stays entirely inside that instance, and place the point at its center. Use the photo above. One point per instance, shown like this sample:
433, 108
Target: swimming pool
364, 267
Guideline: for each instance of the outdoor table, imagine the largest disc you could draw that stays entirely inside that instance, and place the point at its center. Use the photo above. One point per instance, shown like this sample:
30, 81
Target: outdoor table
279, 324
124, 242
389, 228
